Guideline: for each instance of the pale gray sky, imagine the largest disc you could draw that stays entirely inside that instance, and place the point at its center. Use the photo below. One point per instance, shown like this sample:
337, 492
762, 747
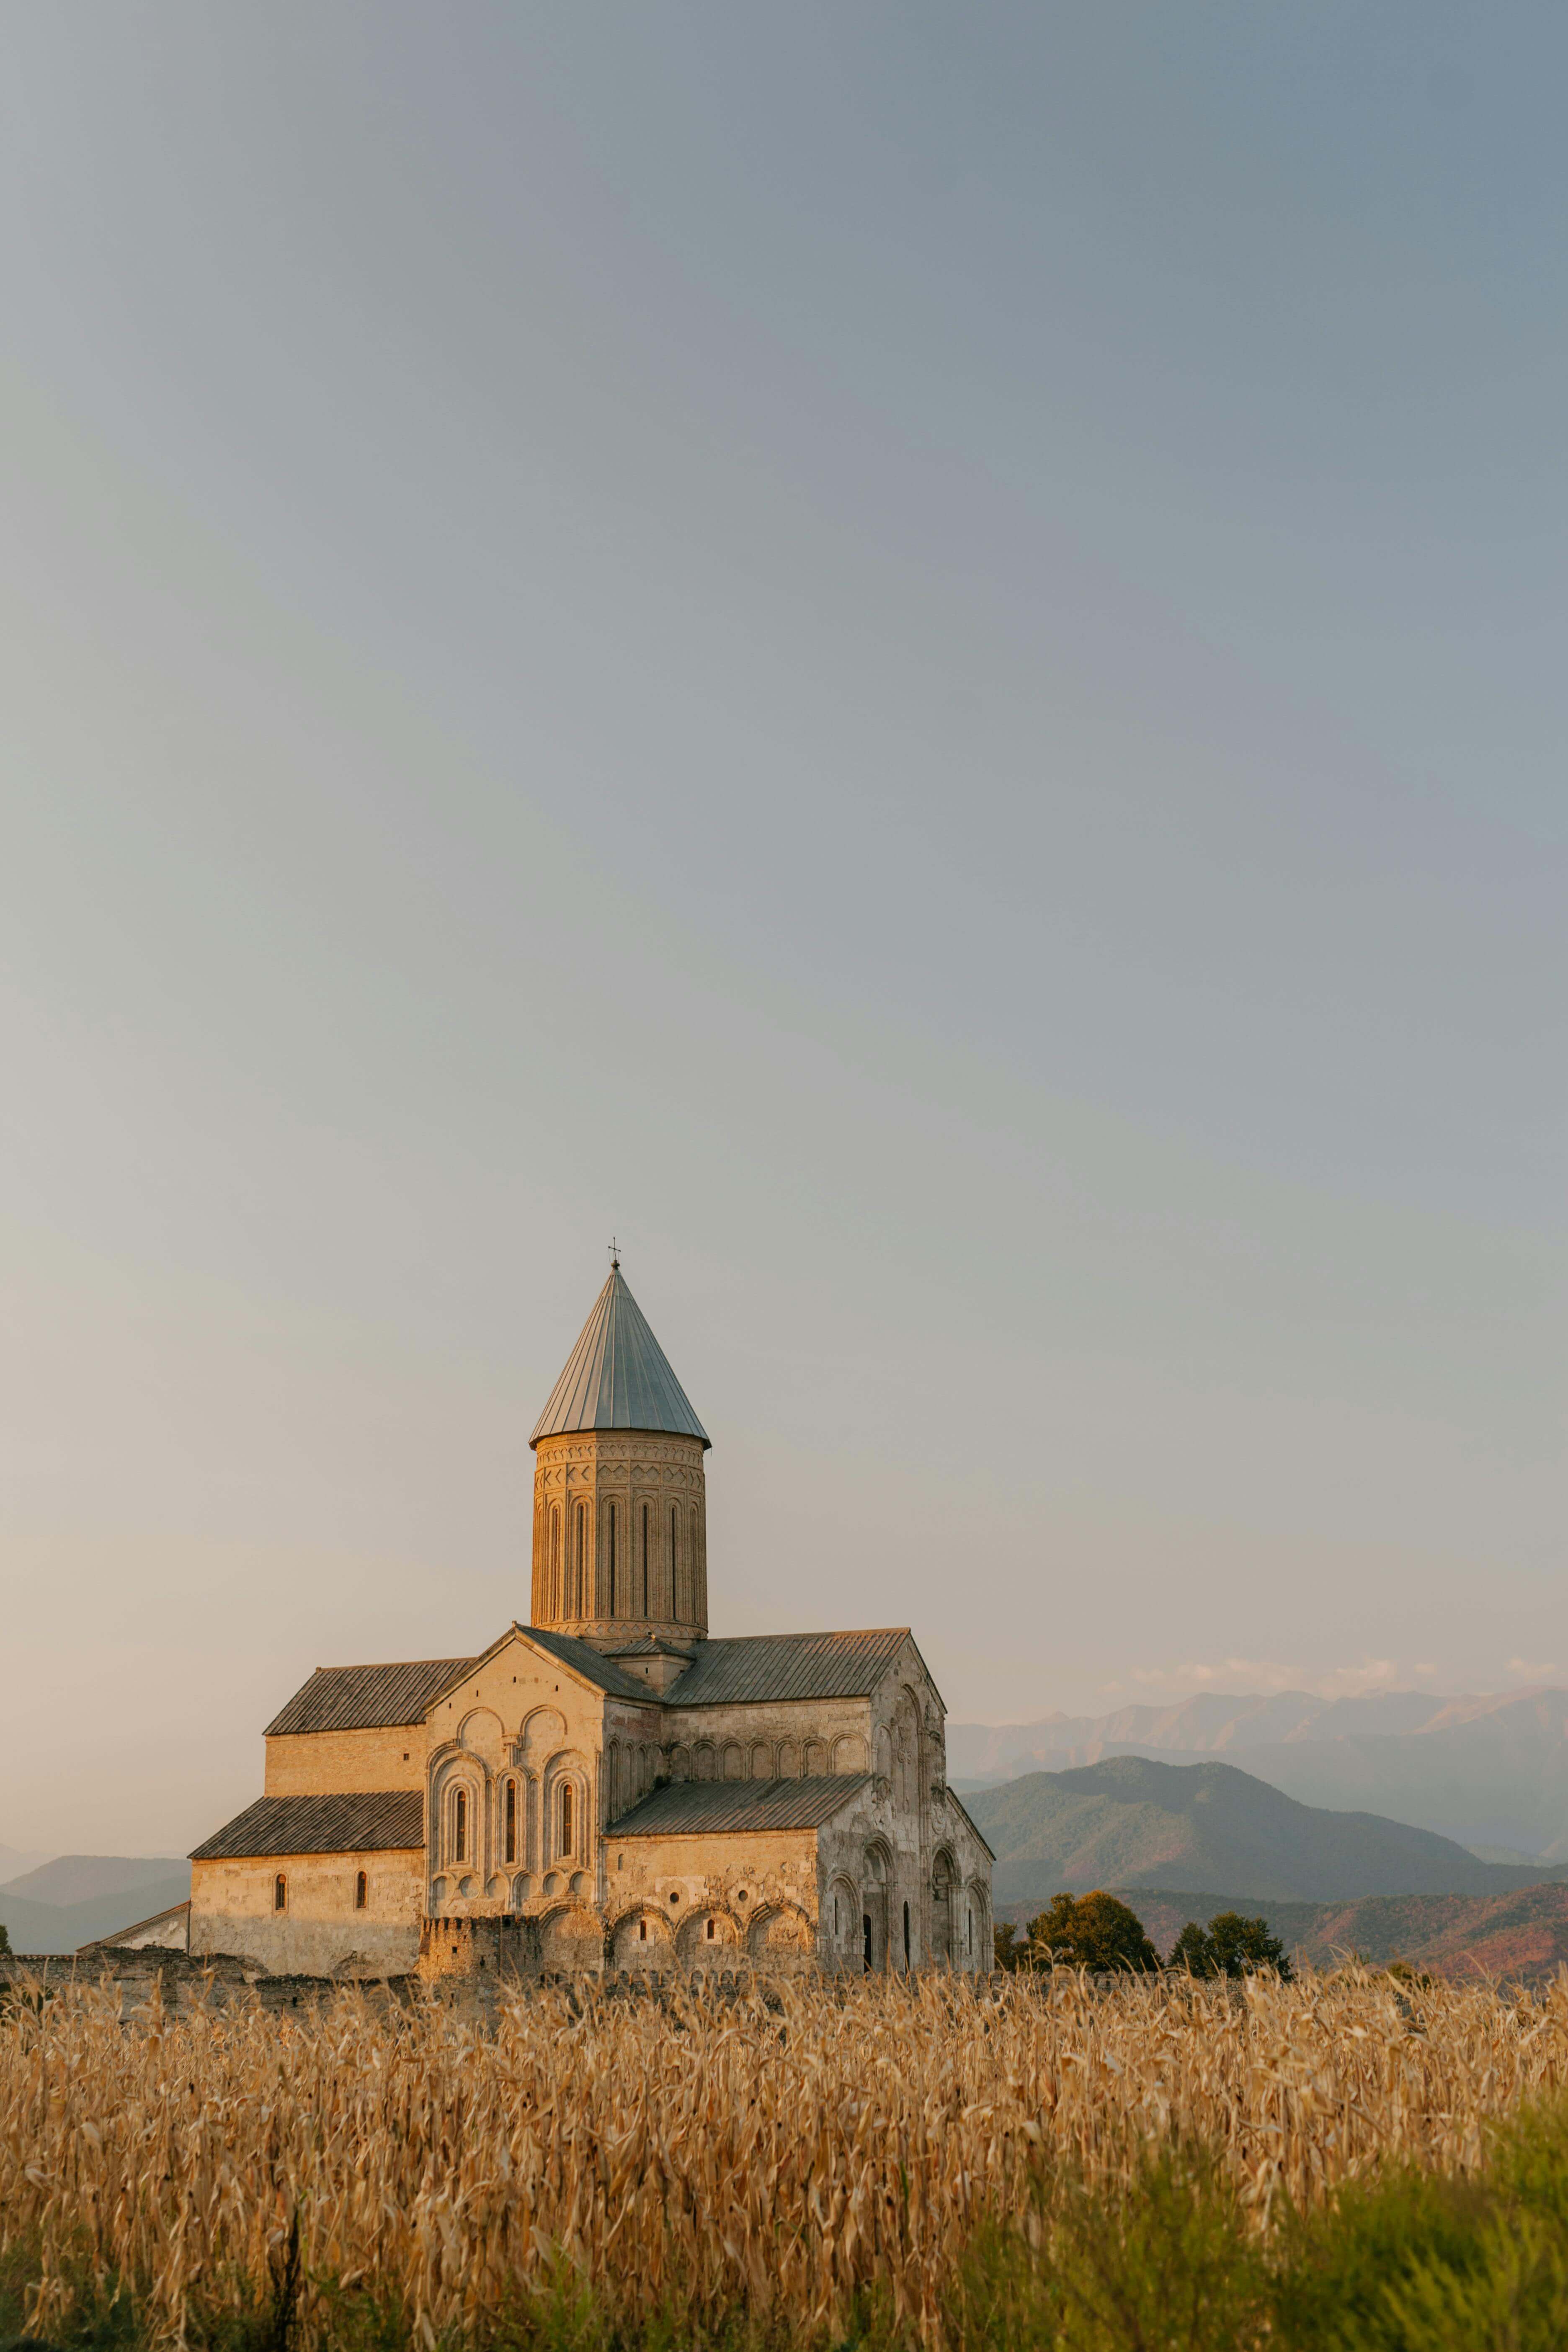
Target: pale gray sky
913, 655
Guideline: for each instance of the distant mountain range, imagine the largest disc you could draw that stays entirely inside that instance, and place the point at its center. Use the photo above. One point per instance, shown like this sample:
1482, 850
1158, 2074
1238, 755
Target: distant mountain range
1522, 1934
77, 1897
13, 1861
1485, 1772
1132, 1821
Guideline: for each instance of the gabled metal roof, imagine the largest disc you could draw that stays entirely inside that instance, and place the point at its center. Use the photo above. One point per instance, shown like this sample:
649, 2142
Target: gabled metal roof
364, 1698
380, 1821
617, 1376
764, 1666
717, 1808
588, 1662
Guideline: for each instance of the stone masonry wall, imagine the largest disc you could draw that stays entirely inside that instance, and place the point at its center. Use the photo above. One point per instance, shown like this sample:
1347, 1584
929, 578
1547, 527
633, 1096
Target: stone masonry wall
318, 1931
345, 1763
675, 1904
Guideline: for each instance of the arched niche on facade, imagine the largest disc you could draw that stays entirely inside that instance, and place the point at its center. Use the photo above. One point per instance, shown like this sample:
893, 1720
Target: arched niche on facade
876, 1872
643, 1939
974, 1925
480, 1734
707, 1937
943, 1887
543, 1731
458, 1829
841, 1919
904, 1765
566, 1831
511, 1818
782, 1936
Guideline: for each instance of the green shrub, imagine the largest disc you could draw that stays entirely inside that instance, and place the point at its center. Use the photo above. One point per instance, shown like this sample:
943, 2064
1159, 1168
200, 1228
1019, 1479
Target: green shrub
1162, 2262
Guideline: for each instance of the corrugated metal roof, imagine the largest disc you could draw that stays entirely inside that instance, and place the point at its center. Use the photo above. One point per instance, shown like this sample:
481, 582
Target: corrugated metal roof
590, 1663
717, 1807
379, 1821
754, 1666
787, 1666
617, 1376
364, 1698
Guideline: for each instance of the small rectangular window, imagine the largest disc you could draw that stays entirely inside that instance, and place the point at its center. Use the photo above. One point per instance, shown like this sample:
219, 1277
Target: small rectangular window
361, 1889
280, 1893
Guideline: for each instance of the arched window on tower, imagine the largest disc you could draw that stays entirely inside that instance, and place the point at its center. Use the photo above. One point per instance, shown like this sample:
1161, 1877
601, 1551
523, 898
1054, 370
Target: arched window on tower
645, 1559
676, 1594
610, 1562
694, 1564
553, 1596
580, 1562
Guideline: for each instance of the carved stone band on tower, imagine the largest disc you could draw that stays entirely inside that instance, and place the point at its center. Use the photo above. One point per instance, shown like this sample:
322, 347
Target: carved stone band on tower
620, 1514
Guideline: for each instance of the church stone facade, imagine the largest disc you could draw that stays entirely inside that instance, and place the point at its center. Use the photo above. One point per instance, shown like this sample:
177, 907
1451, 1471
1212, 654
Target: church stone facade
609, 1786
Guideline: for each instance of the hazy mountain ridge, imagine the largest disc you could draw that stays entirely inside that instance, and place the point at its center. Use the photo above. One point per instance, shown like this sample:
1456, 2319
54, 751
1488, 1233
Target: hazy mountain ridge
1132, 1821
97, 1895
1523, 1934
1482, 1770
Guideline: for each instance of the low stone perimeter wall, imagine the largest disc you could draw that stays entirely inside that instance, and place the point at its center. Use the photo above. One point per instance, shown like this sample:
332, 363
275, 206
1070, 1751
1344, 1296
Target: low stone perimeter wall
180, 1981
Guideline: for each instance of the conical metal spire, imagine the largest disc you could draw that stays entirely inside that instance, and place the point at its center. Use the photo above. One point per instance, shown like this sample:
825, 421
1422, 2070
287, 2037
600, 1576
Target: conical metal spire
617, 1376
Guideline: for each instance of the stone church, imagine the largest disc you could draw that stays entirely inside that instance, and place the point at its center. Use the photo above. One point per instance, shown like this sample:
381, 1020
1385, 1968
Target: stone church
609, 1786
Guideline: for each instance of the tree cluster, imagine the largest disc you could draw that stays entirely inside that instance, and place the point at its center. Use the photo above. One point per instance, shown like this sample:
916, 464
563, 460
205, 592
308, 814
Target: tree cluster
1230, 1946
1098, 1933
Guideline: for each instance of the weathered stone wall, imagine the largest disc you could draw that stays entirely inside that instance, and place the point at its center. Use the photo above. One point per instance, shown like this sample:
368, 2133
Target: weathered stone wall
905, 1847
674, 1906
784, 1740
524, 1723
319, 1932
180, 1983
344, 1763
688, 1900
872, 1862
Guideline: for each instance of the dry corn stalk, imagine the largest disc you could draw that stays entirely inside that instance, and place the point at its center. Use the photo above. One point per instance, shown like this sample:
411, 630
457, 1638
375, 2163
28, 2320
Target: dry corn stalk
691, 2153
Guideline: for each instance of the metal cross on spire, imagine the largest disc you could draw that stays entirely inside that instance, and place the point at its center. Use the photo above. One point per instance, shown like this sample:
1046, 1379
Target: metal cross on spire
615, 1253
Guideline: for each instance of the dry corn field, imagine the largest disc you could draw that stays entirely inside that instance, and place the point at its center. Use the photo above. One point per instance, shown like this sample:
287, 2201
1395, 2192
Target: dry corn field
698, 2153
